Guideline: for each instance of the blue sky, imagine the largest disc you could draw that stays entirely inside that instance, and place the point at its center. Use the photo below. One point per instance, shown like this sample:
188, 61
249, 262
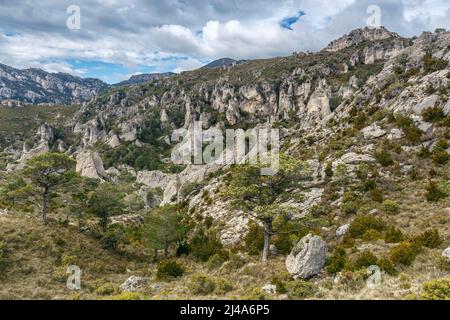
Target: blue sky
120, 38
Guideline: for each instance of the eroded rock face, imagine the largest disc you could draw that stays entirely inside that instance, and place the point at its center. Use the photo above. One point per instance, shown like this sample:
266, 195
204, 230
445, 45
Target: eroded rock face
89, 164
373, 131
307, 258
360, 35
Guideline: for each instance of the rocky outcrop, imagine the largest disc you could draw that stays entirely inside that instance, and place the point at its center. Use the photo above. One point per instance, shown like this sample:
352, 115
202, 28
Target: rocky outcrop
133, 284
360, 35
89, 164
307, 258
373, 131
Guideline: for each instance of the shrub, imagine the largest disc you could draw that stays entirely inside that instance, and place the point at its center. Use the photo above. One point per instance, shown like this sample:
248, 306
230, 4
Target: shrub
383, 157
183, 249
169, 269
365, 259
394, 235
106, 289
329, 169
404, 253
349, 207
412, 133
362, 223
300, 289
2, 252
387, 266
436, 290
376, 195
216, 260
434, 192
433, 114
371, 235
127, 296
254, 239
390, 207
223, 286
337, 261
201, 285
203, 246
429, 239
280, 281
432, 64
439, 153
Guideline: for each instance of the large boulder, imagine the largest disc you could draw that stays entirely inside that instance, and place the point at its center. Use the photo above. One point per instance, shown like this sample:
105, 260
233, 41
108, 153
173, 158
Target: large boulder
307, 258
134, 283
89, 164
373, 131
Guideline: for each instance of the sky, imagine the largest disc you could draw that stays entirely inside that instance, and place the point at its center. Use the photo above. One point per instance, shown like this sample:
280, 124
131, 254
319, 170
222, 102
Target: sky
114, 39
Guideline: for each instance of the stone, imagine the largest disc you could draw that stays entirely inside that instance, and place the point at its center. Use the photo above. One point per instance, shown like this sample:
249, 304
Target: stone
342, 230
270, 288
4, 212
373, 131
354, 158
133, 284
395, 134
446, 253
307, 258
89, 164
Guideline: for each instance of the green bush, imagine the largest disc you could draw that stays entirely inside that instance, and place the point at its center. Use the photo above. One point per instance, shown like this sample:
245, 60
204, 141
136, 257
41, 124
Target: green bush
430, 239
254, 239
432, 64
436, 290
201, 285
203, 245
361, 224
349, 207
393, 235
387, 266
223, 286
364, 259
300, 289
433, 114
439, 153
329, 169
169, 269
371, 235
390, 207
404, 253
337, 261
384, 157
127, 296
412, 133
280, 281
106, 289
434, 192
217, 260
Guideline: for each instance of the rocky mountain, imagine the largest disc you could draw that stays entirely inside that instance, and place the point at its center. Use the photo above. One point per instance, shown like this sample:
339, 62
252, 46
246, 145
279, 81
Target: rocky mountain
224, 62
37, 86
144, 78
368, 116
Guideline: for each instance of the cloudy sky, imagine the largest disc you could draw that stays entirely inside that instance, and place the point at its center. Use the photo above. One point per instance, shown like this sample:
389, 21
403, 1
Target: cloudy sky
119, 38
